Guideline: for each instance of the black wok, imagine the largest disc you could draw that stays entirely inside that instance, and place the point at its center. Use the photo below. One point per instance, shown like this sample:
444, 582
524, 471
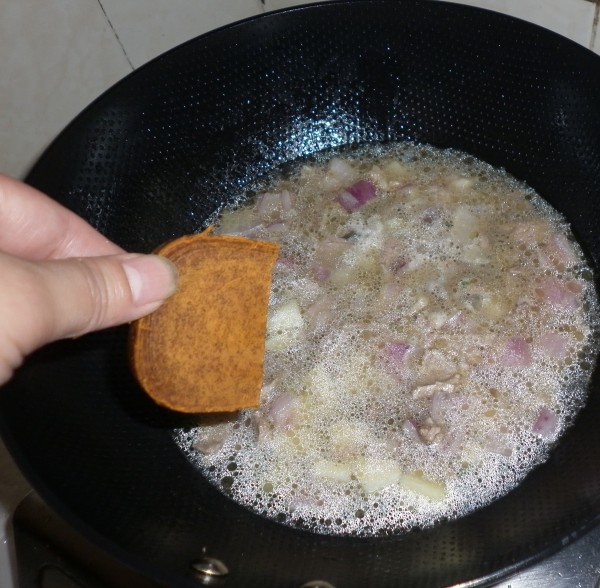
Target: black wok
162, 150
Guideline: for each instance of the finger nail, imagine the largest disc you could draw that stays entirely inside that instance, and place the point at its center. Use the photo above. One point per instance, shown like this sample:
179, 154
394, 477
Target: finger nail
152, 278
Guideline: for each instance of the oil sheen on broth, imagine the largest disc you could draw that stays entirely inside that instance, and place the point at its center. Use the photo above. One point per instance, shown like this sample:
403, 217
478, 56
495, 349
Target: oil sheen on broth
429, 339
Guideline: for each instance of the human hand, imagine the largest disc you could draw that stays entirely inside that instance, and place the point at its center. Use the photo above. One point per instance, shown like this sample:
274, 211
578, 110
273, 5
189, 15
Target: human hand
61, 278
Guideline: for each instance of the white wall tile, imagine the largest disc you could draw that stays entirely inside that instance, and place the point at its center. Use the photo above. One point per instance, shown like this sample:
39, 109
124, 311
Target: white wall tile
147, 28
57, 56
277, 4
595, 44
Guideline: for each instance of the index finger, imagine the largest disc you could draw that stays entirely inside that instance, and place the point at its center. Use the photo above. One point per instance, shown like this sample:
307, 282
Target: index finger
34, 226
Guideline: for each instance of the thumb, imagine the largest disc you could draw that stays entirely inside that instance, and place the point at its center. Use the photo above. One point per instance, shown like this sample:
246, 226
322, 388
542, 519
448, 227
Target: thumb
50, 300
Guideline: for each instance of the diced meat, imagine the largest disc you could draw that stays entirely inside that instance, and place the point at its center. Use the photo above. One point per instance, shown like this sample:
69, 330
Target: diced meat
430, 390
393, 259
435, 367
430, 431
445, 403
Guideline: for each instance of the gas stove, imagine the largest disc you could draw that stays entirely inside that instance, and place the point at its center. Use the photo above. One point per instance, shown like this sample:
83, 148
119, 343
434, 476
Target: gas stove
50, 554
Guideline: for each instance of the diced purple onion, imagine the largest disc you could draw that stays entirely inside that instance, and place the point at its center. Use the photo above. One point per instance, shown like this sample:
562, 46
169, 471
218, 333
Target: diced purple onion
546, 423
557, 293
282, 411
395, 352
357, 195
517, 353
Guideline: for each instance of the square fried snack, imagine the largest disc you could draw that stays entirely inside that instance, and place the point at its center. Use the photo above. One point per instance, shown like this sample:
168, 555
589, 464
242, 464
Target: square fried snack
203, 349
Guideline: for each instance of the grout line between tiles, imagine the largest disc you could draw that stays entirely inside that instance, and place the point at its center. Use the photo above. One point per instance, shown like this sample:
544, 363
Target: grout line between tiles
595, 24
112, 28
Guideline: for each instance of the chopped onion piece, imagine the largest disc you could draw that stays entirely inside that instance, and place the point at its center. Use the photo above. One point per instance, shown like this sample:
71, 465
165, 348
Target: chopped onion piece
283, 411
395, 171
561, 250
546, 423
321, 273
341, 169
321, 311
274, 205
334, 471
376, 474
465, 225
348, 201
212, 437
529, 232
357, 195
421, 485
395, 351
394, 359
498, 443
392, 258
475, 253
287, 200
410, 430
242, 222
329, 251
558, 294
390, 294
517, 353
363, 191
267, 204
462, 184
286, 263
278, 227
554, 345
284, 326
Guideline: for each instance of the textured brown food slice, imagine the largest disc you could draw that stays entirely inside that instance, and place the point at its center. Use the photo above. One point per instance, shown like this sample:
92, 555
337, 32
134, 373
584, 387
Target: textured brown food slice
203, 349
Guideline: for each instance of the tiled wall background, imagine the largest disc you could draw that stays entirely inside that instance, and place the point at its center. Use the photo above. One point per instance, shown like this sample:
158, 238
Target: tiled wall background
58, 55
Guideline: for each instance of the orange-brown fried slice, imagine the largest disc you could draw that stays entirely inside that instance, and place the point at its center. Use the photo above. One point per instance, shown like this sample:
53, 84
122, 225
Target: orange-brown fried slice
203, 349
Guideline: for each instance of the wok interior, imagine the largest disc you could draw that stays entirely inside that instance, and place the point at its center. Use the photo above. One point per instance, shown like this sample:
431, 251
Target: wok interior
164, 149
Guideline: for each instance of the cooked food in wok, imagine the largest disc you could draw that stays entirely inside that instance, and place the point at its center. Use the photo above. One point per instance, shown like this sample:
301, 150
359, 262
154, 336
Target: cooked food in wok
428, 340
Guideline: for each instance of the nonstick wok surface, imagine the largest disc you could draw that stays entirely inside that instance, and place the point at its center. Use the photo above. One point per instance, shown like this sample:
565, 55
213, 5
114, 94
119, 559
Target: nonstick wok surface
161, 151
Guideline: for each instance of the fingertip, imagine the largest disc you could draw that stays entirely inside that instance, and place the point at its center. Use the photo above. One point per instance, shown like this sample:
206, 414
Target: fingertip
151, 278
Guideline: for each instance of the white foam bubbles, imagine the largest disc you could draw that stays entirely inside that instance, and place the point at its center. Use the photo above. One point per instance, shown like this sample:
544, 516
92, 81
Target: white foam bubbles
434, 342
